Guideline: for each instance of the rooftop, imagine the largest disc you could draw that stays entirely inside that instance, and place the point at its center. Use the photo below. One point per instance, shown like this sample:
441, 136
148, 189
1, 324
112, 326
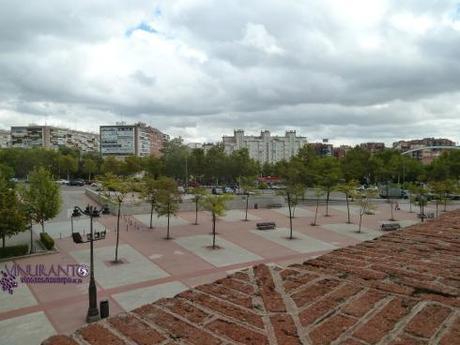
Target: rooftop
402, 288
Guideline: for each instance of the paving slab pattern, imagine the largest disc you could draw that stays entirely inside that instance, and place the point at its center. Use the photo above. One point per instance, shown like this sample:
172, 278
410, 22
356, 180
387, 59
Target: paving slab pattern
135, 298
22, 296
228, 254
136, 268
29, 329
237, 215
64, 229
160, 221
301, 243
352, 231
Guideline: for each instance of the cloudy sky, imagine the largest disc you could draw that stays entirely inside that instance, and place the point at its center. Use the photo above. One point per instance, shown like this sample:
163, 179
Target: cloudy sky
348, 70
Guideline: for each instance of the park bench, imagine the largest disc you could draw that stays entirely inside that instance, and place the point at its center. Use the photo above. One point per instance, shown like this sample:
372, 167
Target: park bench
277, 205
266, 226
390, 226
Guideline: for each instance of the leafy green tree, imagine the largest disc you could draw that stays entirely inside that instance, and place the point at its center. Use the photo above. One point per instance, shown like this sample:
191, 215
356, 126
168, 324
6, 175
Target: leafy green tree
89, 167
292, 193
12, 216
43, 196
216, 205
198, 193
69, 164
168, 199
152, 166
113, 166
412, 189
355, 164
248, 184
348, 188
328, 176
175, 158
116, 189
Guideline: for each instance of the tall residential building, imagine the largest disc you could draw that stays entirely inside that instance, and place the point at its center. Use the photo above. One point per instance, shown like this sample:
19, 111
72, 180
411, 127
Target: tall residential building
322, 149
139, 139
5, 138
265, 148
423, 152
53, 138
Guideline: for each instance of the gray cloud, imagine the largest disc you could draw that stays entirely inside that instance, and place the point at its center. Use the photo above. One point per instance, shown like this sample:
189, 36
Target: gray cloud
351, 71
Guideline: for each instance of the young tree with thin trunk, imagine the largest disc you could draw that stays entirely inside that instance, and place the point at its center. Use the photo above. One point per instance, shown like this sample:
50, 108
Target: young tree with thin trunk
116, 190
348, 188
150, 194
292, 193
328, 175
43, 196
90, 167
392, 203
216, 205
198, 193
168, 200
249, 187
365, 206
318, 194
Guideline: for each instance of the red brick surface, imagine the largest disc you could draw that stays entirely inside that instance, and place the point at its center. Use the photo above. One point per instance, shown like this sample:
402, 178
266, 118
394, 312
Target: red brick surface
400, 289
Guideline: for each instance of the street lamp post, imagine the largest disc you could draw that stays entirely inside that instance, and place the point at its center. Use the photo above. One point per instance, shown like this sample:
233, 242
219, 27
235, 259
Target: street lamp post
91, 211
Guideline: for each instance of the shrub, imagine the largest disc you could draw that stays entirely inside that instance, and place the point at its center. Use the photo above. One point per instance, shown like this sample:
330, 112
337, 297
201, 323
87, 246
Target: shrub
47, 240
18, 250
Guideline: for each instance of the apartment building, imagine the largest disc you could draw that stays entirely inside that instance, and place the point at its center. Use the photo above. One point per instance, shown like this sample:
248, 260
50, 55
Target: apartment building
425, 150
265, 148
53, 138
373, 147
121, 140
5, 139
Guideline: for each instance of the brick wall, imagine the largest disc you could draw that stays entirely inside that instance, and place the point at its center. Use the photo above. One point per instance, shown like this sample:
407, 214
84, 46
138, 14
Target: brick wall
402, 288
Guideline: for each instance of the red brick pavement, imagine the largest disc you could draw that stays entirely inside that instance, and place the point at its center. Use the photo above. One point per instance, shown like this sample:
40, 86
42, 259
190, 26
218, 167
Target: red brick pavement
402, 288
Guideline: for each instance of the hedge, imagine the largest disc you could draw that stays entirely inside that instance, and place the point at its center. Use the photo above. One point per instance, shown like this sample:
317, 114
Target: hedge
47, 240
18, 250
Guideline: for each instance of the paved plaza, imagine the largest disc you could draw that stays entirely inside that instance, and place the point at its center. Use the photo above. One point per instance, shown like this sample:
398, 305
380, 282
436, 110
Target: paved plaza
152, 267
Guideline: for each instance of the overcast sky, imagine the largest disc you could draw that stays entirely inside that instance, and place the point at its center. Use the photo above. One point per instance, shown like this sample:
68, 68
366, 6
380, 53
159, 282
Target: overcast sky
348, 70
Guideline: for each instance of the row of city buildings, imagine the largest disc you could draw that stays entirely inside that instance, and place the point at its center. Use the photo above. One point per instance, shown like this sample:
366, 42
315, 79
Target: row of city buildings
121, 140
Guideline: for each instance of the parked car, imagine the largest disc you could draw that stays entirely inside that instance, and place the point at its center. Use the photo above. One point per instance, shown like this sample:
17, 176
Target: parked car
181, 189
228, 190
62, 181
217, 191
76, 182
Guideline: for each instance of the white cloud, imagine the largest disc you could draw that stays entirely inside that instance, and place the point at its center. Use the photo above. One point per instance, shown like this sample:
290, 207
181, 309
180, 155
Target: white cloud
256, 36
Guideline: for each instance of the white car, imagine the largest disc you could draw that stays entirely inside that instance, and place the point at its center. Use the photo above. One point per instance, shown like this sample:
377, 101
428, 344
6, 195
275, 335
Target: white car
62, 181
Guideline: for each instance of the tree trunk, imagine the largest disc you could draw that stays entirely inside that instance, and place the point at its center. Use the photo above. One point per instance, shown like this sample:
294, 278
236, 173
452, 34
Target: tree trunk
290, 218
360, 221
151, 214
196, 211
348, 208
118, 232
3, 240
327, 203
437, 208
213, 230
247, 205
391, 211
410, 203
31, 239
167, 234
43, 225
445, 203
316, 211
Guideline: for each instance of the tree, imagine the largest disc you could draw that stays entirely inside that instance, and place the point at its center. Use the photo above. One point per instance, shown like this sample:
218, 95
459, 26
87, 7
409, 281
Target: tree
198, 193
249, 187
43, 196
13, 219
318, 194
216, 205
89, 167
292, 193
150, 194
328, 176
69, 164
363, 199
348, 188
412, 188
168, 199
116, 189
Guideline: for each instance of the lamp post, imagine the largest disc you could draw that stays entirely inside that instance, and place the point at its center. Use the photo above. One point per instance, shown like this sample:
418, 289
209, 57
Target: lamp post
91, 211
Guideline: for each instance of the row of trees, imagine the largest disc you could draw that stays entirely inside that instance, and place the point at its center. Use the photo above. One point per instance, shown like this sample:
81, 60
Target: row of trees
214, 166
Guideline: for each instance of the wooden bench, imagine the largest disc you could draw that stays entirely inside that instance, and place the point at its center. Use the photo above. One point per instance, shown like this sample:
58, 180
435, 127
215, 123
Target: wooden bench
390, 226
266, 226
275, 206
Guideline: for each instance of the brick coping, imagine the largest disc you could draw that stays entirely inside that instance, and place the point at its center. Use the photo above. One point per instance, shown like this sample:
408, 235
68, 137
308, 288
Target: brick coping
402, 288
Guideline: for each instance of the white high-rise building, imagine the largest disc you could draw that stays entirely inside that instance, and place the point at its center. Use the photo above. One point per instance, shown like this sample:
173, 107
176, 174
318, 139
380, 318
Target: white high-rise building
5, 138
265, 148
